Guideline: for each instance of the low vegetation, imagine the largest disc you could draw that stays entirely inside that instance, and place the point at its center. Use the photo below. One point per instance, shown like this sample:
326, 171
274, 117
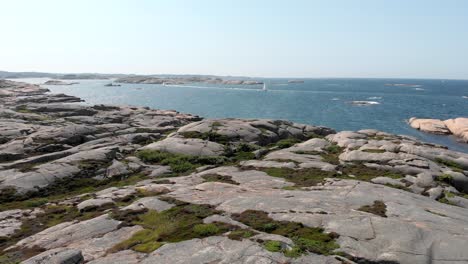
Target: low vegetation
286, 143
241, 234
312, 176
179, 223
61, 189
364, 173
301, 178
210, 136
306, 239
273, 245
179, 163
219, 178
378, 208
451, 164
52, 215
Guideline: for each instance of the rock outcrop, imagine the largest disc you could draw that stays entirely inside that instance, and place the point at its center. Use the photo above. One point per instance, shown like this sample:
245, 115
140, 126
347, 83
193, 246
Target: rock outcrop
109, 184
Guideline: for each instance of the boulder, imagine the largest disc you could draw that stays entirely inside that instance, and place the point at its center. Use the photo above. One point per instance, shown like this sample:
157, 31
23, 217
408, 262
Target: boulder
94, 203
57, 256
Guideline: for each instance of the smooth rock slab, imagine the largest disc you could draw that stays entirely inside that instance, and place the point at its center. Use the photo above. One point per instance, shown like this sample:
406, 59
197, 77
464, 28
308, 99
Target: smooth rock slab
187, 146
221, 250
121, 257
150, 203
94, 203
66, 233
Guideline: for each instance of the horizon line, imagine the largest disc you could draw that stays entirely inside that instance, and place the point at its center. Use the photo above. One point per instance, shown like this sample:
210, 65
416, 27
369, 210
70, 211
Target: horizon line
237, 76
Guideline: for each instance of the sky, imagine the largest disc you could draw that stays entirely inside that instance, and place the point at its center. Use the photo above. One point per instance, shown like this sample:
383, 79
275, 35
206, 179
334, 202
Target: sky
263, 38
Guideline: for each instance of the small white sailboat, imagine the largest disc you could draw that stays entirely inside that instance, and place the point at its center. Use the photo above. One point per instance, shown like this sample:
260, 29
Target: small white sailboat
264, 87
164, 83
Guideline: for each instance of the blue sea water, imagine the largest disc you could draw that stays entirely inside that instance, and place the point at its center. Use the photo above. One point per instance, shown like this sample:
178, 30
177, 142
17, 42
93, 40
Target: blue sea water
316, 101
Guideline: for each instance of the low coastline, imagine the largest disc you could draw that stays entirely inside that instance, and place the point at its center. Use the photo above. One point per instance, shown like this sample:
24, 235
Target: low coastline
104, 168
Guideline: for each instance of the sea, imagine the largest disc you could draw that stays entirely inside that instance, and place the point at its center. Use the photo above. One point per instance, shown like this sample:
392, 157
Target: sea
342, 104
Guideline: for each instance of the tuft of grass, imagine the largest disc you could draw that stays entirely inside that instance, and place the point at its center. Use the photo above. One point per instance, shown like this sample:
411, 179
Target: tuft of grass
286, 143
210, 136
301, 178
36, 202
204, 230
219, 178
447, 178
272, 245
306, 239
179, 163
241, 234
364, 173
378, 208
334, 149
332, 153
294, 252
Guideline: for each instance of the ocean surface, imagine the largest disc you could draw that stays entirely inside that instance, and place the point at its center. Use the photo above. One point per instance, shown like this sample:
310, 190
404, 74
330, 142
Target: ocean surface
324, 102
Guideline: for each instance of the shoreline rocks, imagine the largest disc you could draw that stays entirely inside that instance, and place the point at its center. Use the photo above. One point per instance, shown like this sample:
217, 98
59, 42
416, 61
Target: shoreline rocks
457, 126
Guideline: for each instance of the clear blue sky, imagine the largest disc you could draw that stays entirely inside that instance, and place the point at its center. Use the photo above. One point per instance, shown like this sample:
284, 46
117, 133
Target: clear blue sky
295, 38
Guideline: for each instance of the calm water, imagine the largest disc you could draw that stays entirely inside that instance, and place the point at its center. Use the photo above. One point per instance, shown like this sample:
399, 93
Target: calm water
316, 101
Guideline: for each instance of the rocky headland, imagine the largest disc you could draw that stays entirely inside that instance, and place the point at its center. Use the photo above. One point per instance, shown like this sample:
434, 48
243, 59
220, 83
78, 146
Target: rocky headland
457, 126
120, 184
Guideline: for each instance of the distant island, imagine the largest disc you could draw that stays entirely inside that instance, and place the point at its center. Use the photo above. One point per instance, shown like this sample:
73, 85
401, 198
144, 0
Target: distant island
185, 80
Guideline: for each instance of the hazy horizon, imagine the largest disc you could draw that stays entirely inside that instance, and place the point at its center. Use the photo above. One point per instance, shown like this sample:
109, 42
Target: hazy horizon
262, 39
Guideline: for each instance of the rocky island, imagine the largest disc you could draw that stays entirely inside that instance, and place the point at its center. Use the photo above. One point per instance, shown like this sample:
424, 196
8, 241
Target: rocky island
58, 82
121, 184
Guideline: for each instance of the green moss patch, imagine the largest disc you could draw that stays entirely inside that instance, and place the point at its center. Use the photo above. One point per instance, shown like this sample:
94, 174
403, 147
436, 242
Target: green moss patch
378, 208
306, 239
273, 245
179, 163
